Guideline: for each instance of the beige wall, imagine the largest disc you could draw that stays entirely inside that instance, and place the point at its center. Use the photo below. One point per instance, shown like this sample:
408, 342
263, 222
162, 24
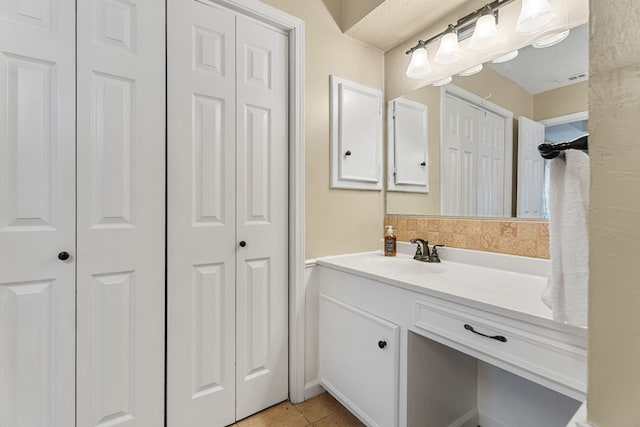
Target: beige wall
337, 221
501, 90
614, 226
561, 101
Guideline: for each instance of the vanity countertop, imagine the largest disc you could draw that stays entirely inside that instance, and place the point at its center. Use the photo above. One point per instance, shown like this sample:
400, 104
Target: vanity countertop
502, 284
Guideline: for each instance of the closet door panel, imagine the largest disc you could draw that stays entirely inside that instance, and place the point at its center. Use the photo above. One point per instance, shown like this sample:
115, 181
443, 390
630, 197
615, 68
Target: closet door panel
201, 216
121, 211
37, 213
262, 212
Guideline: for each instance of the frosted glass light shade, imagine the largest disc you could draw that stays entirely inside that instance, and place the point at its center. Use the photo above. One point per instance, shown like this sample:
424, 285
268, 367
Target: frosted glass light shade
419, 66
506, 57
449, 51
534, 16
442, 82
485, 36
551, 40
471, 71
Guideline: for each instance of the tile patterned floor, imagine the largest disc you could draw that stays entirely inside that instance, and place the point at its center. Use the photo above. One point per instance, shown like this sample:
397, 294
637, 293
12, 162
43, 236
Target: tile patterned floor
320, 411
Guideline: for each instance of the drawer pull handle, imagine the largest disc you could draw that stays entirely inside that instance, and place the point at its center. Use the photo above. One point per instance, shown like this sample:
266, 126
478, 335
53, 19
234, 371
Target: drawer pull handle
494, 337
382, 344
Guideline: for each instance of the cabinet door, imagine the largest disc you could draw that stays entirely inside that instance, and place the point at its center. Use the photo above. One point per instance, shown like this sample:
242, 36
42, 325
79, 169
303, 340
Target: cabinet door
359, 361
121, 212
37, 213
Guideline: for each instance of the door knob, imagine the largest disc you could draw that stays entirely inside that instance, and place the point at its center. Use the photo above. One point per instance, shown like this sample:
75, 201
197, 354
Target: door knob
63, 256
348, 153
382, 344
423, 164
243, 244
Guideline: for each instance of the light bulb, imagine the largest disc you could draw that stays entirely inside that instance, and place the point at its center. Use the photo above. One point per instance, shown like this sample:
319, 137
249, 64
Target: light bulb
551, 40
449, 51
485, 36
419, 66
534, 16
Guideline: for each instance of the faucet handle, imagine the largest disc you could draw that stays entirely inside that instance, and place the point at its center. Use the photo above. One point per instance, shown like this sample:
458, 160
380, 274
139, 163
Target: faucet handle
434, 253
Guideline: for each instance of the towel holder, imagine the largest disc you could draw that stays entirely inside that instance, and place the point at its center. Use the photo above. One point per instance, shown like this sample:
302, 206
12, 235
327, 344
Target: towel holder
552, 150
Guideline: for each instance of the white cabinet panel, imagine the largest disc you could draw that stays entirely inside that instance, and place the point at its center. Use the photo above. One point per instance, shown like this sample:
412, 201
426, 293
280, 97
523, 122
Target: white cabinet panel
112, 150
407, 146
209, 315
359, 360
28, 147
356, 135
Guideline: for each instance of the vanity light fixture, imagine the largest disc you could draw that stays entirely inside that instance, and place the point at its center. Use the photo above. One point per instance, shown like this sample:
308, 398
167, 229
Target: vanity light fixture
534, 16
481, 26
506, 57
471, 71
485, 36
442, 82
449, 51
550, 40
419, 67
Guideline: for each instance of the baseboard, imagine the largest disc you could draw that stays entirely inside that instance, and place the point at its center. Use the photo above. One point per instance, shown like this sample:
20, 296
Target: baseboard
468, 419
488, 421
312, 389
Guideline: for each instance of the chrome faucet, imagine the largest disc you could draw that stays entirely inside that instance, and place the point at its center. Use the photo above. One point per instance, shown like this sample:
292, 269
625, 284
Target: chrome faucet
423, 253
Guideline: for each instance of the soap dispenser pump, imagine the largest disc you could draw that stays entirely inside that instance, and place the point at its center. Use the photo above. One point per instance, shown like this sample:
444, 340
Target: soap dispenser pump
389, 242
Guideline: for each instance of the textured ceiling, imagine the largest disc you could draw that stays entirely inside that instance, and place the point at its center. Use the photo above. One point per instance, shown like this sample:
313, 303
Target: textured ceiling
393, 21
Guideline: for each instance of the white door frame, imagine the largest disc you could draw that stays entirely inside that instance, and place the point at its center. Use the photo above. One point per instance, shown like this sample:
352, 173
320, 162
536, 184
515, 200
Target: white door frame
294, 27
508, 135
567, 118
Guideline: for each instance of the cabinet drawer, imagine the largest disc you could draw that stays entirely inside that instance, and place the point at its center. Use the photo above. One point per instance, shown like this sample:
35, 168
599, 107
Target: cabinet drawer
545, 356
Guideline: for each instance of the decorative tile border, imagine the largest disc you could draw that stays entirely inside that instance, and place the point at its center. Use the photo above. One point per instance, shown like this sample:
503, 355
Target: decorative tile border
521, 237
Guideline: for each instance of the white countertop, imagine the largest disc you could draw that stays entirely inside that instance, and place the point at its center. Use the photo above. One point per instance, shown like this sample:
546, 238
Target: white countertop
503, 284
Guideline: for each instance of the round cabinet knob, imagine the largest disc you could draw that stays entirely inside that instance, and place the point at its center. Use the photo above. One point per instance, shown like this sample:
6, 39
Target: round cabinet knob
243, 244
63, 256
423, 164
348, 153
382, 344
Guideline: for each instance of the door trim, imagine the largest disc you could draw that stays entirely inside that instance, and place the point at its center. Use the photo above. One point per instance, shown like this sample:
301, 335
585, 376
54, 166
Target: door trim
295, 29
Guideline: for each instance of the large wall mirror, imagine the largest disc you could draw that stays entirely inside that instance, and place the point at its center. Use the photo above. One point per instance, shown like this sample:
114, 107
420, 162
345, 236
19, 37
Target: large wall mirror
483, 131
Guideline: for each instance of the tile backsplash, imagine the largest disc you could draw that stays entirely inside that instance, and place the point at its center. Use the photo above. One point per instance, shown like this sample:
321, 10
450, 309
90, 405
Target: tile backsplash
522, 237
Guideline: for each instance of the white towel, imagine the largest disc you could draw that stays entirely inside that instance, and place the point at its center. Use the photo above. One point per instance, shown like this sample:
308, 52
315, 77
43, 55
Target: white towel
567, 288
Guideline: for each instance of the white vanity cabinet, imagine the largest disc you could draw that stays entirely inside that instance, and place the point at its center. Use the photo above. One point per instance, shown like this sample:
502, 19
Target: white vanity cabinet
359, 355
460, 346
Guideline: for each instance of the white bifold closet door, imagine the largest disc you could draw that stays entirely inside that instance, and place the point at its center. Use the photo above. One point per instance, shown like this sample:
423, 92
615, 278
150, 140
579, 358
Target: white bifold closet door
227, 348
37, 213
121, 213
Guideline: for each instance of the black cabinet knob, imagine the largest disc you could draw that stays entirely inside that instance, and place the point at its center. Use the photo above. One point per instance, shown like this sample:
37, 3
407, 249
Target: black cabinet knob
243, 244
423, 164
63, 256
382, 344
348, 153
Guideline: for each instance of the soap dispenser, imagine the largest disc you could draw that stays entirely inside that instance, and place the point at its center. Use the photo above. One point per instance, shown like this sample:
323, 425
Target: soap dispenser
389, 242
